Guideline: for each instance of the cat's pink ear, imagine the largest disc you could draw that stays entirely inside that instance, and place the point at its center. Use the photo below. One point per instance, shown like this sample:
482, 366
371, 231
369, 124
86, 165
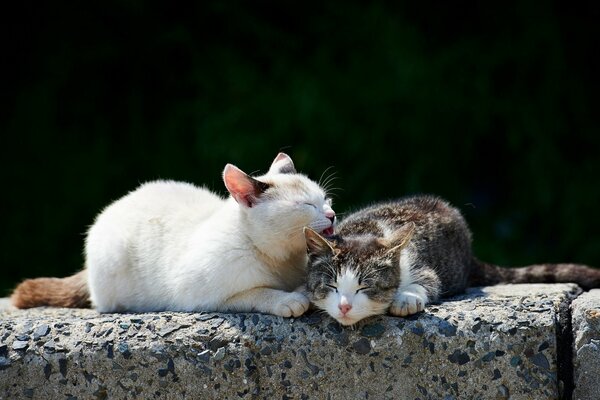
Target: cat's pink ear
317, 244
243, 188
282, 164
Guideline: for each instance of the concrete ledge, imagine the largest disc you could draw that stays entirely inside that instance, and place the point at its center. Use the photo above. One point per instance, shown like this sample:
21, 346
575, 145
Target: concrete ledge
586, 345
494, 342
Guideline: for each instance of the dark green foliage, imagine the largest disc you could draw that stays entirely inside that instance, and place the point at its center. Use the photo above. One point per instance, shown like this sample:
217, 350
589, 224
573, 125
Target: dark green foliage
487, 106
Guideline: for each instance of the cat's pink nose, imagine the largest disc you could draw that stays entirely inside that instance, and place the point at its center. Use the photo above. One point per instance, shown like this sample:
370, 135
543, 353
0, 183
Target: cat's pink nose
330, 214
344, 308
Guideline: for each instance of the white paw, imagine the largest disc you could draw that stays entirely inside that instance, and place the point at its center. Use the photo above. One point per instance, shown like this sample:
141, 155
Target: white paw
291, 304
409, 301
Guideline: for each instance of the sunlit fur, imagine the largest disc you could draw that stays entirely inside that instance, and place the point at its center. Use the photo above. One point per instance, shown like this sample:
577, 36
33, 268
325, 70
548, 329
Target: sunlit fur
174, 246
386, 251
407, 253
368, 284
349, 292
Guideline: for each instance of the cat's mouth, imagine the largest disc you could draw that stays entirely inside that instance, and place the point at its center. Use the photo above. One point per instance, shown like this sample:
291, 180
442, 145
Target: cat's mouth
328, 231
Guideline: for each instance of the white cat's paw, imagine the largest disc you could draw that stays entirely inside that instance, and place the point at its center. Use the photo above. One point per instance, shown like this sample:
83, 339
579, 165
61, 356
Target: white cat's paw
408, 302
292, 304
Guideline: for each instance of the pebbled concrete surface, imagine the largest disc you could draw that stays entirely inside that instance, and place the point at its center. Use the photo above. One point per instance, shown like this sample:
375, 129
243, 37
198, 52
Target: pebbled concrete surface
491, 343
586, 345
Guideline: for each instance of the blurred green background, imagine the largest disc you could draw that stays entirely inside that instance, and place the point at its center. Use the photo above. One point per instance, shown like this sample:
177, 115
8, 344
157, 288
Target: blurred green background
487, 104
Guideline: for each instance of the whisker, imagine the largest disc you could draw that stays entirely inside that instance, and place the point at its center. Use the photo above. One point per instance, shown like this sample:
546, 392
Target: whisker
323, 174
333, 189
334, 194
332, 178
329, 181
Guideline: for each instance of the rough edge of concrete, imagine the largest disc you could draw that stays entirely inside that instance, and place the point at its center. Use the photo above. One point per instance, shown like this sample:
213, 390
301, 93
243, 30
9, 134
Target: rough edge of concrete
586, 345
564, 340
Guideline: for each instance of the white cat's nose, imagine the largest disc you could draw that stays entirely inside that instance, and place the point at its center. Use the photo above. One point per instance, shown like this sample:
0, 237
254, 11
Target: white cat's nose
330, 215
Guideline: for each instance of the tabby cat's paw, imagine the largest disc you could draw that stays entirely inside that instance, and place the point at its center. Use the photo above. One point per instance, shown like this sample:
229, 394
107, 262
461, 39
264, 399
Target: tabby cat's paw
409, 301
292, 304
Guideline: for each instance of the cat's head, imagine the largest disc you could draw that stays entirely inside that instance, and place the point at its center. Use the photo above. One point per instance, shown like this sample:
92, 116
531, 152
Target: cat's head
356, 277
278, 205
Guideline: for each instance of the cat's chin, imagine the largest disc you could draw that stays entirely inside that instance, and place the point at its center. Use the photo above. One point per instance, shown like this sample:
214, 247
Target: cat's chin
347, 321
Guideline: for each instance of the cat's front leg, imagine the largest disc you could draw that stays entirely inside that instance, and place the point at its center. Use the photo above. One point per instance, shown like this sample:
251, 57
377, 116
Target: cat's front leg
409, 300
291, 304
269, 301
419, 285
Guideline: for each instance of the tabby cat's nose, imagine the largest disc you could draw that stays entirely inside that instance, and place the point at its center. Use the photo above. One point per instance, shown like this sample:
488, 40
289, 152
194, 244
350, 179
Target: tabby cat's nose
344, 308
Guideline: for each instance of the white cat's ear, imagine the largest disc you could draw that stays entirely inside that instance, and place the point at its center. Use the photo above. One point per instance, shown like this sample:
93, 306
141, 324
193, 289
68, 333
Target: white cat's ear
282, 164
317, 244
242, 187
401, 237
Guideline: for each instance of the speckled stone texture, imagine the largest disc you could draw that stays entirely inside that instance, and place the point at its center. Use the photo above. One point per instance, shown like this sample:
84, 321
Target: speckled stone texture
491, 343
586, 345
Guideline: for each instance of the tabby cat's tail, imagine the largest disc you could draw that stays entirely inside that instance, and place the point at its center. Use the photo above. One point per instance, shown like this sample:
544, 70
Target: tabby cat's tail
69, 292
488, 274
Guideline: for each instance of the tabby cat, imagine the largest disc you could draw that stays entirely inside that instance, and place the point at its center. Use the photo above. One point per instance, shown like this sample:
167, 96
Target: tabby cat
399, 256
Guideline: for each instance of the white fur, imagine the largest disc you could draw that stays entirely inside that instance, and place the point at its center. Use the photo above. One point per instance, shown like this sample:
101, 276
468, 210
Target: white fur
174, 246
406, 262
348, 293
411, 298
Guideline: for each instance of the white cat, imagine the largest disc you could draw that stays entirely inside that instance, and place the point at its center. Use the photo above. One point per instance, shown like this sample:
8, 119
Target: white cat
174, 246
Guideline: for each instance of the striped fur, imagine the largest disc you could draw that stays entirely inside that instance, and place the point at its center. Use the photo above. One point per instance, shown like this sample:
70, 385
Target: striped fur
433, 261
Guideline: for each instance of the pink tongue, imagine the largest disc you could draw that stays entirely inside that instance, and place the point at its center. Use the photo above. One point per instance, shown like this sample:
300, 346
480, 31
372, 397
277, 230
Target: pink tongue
328, 231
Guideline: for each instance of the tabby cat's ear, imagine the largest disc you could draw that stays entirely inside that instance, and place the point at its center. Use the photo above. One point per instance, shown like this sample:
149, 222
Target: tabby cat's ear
401, 237
242, 187
282, 164
317, 245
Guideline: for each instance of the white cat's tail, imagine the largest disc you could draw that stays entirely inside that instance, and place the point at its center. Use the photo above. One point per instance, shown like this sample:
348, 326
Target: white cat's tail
69, 292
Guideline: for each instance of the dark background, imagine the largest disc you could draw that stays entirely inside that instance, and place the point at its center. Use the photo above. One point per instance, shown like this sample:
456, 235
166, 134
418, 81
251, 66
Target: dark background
488, 105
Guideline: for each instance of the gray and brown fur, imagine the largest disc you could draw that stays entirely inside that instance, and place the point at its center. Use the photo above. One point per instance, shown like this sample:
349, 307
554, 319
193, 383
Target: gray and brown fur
439, 250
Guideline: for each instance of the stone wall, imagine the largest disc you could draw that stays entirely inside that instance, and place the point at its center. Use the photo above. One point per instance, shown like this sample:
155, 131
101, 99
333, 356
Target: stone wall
508, 341
586, 345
